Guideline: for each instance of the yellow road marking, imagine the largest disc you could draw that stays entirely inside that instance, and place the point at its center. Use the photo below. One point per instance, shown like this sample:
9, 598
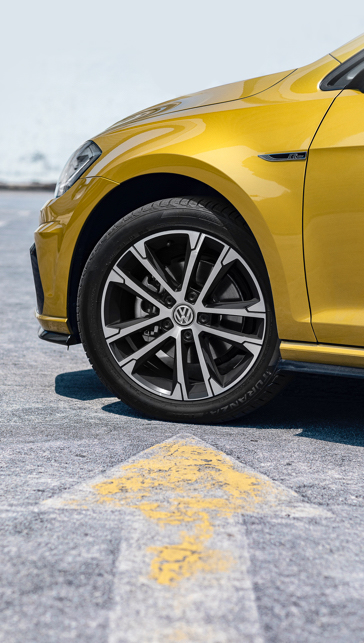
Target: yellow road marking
185, 484
183, 500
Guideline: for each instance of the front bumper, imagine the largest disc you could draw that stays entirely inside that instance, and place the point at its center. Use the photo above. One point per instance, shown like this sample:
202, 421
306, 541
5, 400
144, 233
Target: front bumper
57, 328
61, 221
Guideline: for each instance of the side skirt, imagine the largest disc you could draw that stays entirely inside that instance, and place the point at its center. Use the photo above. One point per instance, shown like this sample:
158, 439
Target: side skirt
320, 369
329, 359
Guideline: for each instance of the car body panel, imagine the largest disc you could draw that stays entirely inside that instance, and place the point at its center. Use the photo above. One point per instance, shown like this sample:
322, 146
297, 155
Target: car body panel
347, 356
212, 96
334, 223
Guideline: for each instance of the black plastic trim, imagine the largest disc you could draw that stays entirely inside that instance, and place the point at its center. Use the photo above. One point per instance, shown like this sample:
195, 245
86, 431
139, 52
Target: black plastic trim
328, 83
58, 338
320, 369
37, 280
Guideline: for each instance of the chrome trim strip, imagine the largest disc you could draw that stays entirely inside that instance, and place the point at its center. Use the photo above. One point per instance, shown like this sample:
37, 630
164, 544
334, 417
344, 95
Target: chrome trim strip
283, 156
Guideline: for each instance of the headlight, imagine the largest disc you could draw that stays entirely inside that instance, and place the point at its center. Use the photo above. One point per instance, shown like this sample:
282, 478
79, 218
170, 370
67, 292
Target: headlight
76, 166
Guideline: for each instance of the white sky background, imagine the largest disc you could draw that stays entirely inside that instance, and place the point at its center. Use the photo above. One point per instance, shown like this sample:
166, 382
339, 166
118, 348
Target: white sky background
69, 69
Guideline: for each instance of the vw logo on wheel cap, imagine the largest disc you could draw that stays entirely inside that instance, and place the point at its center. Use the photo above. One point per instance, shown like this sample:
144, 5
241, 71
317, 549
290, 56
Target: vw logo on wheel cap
183, 315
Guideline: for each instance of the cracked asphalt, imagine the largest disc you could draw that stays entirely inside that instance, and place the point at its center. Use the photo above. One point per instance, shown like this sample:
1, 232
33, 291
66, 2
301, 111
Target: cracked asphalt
60, 427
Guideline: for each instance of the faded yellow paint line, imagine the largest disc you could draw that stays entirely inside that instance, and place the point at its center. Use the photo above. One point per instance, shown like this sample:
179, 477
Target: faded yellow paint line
185, 484
184, 500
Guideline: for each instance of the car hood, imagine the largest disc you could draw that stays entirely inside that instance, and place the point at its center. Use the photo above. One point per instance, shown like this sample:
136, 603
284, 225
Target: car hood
221, 94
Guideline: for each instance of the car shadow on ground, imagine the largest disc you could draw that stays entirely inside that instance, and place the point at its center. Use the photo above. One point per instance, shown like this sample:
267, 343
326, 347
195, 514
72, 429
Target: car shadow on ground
81, 385
320, 407
85, 386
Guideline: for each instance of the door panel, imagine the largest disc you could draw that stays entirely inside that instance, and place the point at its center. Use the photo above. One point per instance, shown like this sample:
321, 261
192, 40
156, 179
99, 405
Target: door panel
334, 223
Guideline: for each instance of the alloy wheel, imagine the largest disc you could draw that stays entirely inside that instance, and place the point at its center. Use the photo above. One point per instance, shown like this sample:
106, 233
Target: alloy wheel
183, 315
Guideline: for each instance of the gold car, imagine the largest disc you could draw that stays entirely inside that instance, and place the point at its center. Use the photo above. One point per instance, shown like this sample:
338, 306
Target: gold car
204, 248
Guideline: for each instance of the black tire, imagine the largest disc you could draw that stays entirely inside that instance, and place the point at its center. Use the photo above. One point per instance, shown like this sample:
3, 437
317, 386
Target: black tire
220, 224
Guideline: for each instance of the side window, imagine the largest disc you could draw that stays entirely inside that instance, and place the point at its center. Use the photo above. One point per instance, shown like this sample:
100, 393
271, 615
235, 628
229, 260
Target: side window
346, 75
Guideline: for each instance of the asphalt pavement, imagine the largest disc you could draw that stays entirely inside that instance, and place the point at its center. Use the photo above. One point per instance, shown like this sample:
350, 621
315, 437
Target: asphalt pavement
102, 542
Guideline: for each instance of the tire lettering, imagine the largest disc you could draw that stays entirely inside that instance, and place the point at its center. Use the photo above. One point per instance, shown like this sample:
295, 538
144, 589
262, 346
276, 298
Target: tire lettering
249, 394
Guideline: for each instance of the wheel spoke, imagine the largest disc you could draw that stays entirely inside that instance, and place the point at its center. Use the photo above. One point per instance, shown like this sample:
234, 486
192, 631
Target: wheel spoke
216, 273
159, 274
202, 362
118, 276
252, 348
113, 333
146, 351
231, 336
195, 243
237, 309
180, 363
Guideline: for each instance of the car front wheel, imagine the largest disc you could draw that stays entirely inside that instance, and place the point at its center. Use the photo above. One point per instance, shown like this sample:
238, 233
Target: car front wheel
175, 313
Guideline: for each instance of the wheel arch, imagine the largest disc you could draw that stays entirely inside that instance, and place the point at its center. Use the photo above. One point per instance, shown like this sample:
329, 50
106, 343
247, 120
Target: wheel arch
126, 197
